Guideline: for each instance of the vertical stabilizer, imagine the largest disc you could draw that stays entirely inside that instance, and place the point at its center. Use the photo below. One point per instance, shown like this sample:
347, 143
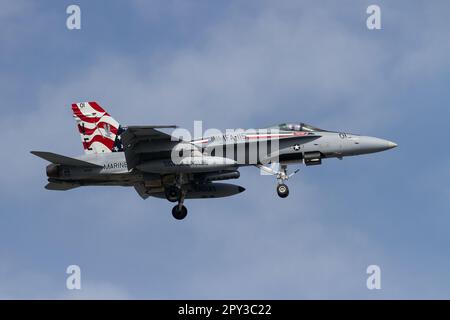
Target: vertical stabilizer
100, 133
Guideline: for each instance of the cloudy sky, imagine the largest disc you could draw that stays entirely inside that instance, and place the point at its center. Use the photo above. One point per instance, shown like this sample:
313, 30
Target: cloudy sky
232, 64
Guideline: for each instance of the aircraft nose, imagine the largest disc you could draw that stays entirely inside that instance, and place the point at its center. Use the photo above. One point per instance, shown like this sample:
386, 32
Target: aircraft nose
372, 144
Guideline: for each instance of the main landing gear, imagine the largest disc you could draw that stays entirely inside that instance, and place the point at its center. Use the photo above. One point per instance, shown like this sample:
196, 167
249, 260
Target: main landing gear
176, 193
282, 176
179, 211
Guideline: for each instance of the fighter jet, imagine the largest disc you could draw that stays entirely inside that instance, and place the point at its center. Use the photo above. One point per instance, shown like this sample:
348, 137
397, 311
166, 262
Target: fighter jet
163, 165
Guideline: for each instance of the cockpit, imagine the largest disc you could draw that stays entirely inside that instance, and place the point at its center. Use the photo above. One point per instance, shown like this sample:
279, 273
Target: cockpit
296, 127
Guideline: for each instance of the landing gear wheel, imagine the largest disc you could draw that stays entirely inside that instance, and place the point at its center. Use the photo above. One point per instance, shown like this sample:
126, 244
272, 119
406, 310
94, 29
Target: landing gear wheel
282, 190
173, 194
178, 213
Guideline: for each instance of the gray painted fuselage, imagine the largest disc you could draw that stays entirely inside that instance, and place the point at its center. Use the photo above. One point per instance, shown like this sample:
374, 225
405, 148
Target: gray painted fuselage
114, 170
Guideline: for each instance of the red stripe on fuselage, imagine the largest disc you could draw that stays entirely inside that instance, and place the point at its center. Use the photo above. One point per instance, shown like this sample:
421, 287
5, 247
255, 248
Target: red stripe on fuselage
269, 136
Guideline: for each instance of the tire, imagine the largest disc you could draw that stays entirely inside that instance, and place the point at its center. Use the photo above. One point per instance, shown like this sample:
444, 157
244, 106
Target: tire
173, 194
179, 214
282, 190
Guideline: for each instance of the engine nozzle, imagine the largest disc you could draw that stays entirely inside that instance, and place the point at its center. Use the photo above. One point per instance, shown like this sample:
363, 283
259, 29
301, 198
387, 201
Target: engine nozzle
52, 170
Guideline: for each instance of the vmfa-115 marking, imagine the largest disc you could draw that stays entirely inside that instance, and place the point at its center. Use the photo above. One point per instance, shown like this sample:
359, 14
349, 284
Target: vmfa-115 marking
158, 164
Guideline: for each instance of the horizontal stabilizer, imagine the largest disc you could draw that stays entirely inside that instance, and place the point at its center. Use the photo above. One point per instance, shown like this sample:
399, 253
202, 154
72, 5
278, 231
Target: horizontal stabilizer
61, 186
60, 159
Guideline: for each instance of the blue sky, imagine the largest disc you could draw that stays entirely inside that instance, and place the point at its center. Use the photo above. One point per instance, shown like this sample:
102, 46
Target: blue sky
230, 64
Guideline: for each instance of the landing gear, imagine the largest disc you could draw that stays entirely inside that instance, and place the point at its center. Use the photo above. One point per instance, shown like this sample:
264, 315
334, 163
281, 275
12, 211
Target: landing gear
178, 212
177, 193
282, 190
173, 193
282, 176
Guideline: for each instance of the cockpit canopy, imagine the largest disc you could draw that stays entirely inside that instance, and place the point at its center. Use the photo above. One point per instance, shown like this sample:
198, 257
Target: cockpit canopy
296, 127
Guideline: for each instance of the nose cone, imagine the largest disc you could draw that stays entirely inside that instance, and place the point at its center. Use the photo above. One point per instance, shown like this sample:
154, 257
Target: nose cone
372, 144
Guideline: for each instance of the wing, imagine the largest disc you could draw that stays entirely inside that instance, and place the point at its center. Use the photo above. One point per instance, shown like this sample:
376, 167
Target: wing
144, 143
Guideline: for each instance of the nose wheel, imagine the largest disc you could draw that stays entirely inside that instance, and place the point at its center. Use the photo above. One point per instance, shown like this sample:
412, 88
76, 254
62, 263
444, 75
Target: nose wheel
282, 190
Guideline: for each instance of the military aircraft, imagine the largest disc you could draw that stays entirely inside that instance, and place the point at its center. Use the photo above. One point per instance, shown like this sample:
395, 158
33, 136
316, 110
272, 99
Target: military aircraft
163, 165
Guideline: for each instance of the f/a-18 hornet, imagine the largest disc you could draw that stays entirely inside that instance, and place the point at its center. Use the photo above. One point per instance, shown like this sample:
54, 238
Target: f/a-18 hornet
162, 165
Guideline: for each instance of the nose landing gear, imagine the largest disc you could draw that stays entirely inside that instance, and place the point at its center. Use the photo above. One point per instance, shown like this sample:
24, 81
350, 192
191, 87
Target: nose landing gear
282, 176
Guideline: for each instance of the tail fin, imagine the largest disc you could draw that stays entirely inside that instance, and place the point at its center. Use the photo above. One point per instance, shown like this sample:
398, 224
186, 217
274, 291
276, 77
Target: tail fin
100, 133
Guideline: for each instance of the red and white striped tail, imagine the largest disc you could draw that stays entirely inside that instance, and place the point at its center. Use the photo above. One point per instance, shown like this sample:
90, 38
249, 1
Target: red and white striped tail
100, 133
